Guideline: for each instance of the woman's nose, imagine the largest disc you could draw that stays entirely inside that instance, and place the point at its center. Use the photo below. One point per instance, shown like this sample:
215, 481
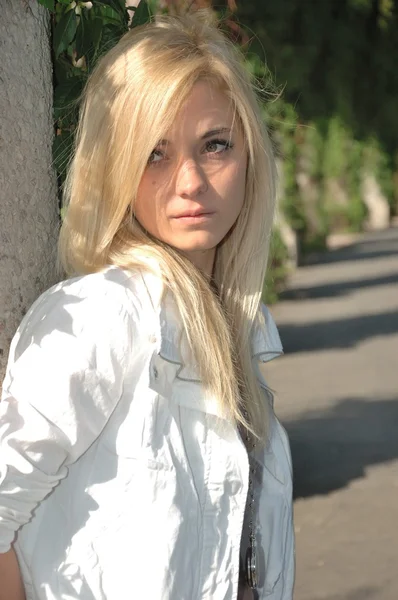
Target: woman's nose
191, 180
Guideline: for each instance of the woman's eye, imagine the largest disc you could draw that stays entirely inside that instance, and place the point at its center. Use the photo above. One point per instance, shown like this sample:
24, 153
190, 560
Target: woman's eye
218, 146
155, 157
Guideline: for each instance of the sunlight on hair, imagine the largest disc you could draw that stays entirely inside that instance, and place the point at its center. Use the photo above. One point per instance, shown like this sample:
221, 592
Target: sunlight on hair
130, 101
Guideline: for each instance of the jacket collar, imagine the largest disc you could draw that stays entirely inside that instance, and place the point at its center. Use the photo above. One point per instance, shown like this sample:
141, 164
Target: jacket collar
172, 344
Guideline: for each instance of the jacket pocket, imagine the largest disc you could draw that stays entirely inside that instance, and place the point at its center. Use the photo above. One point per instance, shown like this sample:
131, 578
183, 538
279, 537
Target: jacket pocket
141, 432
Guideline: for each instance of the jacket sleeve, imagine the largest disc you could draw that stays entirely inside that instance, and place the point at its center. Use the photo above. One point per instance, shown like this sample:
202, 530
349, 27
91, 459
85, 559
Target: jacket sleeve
64, 379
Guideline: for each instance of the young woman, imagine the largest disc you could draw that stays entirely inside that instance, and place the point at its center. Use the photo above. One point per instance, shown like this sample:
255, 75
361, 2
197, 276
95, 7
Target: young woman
140, 454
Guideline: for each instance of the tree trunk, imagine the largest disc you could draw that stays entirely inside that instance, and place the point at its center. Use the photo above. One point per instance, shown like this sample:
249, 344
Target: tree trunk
28, 196
376, 203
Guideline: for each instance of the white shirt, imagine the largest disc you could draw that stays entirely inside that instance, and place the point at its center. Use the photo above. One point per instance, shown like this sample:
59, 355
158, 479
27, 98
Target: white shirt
119, 477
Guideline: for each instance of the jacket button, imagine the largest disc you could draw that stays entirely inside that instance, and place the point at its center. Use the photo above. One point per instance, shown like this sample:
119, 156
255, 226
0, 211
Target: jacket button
155, 373
152, 338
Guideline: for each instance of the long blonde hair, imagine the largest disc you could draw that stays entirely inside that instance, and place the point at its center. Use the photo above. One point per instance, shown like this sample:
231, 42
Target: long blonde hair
129, 103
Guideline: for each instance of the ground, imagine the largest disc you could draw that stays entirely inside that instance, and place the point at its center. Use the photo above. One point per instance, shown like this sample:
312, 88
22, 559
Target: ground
337, 394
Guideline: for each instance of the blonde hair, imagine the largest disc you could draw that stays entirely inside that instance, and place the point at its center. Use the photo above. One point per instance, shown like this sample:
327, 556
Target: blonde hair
129, 103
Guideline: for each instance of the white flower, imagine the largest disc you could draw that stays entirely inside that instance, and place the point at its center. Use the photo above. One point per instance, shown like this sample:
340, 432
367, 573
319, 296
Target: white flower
80, 63
79, 5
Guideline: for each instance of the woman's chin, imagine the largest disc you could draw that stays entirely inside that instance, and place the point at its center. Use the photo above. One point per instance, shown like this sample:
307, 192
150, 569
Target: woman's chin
201, 243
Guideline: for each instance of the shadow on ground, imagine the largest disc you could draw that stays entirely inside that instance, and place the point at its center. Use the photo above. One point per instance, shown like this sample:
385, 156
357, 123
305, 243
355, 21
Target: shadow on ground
331, 448
349, 331
339, 288
339, 333
375, 245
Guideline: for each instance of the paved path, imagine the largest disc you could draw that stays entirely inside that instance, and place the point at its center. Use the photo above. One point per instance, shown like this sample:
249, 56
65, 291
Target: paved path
337, 394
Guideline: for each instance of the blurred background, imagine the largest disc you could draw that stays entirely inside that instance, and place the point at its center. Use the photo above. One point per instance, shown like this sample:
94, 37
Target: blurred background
337, 395
335, 126
335, 270
327, 75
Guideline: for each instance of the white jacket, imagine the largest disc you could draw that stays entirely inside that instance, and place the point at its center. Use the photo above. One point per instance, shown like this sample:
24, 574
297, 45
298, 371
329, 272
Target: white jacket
119, 478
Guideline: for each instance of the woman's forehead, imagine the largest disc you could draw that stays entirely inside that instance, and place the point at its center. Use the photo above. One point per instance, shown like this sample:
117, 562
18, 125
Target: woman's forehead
206, 111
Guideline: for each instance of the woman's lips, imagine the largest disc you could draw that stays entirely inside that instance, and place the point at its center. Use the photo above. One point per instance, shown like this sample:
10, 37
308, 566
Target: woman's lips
194, 218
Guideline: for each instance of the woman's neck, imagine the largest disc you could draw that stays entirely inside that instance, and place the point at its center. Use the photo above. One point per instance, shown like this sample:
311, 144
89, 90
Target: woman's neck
203, 260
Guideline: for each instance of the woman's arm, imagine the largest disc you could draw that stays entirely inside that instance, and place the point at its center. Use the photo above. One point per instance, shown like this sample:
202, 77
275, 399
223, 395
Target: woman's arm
64, 379
11, 587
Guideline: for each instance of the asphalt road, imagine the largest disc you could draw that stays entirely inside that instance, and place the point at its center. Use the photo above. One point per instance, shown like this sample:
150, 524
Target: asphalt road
337, 394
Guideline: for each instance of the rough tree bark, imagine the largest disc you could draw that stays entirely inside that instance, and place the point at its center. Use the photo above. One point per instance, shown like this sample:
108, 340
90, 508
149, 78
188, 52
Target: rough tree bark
28, 198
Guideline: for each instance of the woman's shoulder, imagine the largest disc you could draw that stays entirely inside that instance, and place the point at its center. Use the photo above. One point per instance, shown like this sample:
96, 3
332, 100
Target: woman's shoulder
111, 283
266, 342
86, 306
91, 293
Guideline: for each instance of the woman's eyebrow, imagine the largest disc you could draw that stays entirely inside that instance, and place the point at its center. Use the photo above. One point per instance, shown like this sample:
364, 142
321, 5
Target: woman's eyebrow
205, 136
216, 131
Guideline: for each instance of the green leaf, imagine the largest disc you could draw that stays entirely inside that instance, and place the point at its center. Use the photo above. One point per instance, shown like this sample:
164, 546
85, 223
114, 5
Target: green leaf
111, 34
82, 37
117, 5
112, 11
88, 37
109, 15
142, 14
64, 33
67, 93
62, 69
95, 32
49, 4
153, 6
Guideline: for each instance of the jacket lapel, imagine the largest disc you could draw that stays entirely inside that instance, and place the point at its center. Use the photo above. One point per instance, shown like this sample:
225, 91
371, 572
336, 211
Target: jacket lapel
172, 344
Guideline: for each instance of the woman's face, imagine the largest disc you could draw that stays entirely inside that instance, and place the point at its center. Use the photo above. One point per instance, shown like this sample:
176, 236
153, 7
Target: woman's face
193, 187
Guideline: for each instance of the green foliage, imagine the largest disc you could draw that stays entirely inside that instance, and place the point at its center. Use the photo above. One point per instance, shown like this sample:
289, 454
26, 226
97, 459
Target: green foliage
81, 33
335, 149
277, 271
329, 95
333, 57
49, 4
336, 62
